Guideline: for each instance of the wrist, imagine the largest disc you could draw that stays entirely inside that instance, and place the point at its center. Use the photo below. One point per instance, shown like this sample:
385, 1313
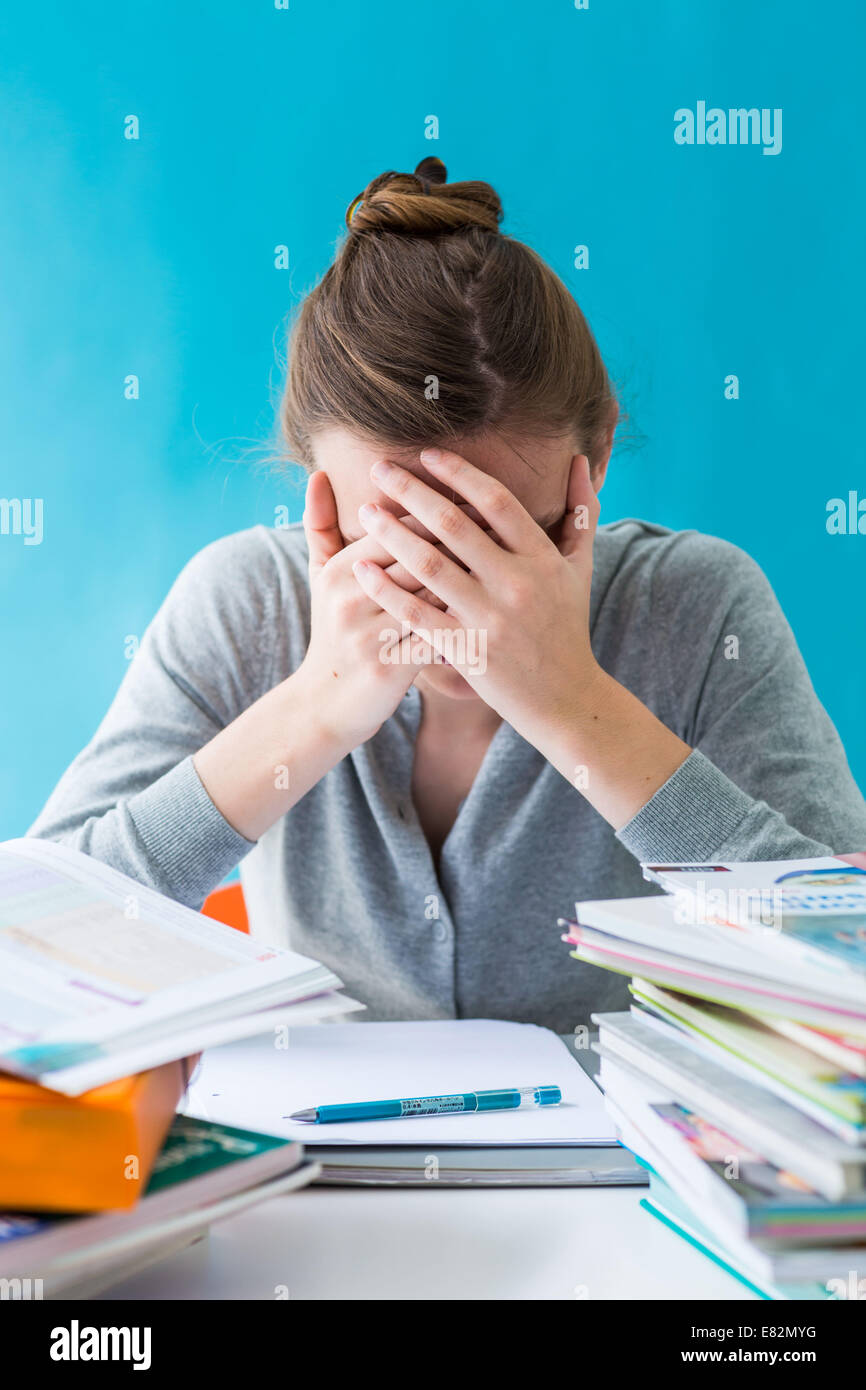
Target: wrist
318, 704
563, 718
612, 748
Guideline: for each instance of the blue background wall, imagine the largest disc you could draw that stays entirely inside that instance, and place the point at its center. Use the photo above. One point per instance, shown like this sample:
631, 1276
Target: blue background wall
257, 126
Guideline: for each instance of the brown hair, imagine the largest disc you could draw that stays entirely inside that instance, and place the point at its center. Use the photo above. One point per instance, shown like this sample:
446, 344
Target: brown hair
431, 325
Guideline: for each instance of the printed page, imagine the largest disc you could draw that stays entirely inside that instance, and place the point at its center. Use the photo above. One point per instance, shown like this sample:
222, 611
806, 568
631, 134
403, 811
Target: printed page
86, 954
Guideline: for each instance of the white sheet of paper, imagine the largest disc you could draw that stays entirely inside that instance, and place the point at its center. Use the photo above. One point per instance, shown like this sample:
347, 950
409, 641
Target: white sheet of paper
257, 1085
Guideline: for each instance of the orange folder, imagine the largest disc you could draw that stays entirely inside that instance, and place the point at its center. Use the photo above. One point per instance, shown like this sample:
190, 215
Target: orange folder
89, 1152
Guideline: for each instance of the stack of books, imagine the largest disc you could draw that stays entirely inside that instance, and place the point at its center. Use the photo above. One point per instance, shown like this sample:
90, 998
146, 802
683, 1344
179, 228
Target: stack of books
738, 1078
204, 1173
109, 992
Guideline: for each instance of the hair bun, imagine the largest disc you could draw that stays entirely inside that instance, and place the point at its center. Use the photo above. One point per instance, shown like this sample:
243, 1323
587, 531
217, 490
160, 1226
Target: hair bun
424, 203
431, 170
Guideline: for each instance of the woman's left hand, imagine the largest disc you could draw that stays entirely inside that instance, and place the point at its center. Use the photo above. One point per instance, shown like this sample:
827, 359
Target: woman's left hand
516, 618
516, 624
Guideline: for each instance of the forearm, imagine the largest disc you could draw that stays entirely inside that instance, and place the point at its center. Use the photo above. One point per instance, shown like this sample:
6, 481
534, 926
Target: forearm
260, 765
609, 746
620, 757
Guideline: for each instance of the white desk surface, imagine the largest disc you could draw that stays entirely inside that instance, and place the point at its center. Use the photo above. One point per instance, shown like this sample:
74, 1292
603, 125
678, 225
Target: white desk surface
398, 1244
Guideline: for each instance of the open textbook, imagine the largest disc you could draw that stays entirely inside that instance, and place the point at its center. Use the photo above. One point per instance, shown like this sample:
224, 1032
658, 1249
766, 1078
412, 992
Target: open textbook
101, 977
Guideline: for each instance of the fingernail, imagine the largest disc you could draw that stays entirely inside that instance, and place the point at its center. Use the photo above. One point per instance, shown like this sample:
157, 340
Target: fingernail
368, 512
380, 470
430, 455
360, 567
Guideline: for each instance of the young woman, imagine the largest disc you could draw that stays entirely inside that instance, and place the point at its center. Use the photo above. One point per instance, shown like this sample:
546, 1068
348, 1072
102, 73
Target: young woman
428, 720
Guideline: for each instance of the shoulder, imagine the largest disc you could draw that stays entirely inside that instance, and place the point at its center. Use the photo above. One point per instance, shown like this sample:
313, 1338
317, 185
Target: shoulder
687, 621
250, 558
246, 593
677, 569
257, 570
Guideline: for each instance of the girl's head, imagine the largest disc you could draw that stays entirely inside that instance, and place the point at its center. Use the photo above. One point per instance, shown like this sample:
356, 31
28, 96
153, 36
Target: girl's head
432, 327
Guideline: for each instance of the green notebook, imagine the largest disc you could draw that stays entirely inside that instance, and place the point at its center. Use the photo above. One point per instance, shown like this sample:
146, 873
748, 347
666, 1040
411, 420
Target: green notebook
194, 1147
204, 1171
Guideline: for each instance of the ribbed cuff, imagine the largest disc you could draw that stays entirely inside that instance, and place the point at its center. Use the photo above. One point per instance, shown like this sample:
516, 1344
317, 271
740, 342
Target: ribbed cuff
690, 817
189, 843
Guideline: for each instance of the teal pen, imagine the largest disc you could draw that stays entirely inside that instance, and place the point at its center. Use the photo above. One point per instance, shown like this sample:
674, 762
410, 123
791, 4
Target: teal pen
465, 1103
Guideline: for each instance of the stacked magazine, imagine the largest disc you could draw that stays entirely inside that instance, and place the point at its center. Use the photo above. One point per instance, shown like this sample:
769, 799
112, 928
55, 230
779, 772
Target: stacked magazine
738, 1078
101, 980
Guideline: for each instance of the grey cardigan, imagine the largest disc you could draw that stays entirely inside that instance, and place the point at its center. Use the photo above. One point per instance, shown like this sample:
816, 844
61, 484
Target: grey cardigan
687, 622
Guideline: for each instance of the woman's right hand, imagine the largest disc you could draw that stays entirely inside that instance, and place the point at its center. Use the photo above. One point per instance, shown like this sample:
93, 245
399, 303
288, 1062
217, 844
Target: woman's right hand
259, 766
354, 674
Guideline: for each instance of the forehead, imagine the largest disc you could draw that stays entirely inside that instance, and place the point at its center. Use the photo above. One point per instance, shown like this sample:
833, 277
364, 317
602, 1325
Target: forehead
535, 470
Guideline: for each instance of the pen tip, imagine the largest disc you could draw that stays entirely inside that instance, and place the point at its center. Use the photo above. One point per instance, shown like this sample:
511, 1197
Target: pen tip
306, 1117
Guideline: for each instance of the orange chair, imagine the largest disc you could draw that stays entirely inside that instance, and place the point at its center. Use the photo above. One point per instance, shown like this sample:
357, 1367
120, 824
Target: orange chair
227, 905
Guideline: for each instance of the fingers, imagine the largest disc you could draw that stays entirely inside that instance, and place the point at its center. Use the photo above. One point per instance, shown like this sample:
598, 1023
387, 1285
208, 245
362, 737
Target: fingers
368, 548
425, 562
498, 506
321, 526
325, 540
582, 509
447, 520
413, 610
412, 650
321, 542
